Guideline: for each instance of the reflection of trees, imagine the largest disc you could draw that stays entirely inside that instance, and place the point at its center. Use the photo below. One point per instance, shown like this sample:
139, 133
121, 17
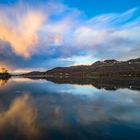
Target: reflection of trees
3, 82
4, 76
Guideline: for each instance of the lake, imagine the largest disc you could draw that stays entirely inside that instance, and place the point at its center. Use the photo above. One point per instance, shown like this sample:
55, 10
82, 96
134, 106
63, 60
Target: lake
67, 110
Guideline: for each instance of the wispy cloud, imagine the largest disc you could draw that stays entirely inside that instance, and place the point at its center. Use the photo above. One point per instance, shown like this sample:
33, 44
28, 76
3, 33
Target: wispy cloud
116, 33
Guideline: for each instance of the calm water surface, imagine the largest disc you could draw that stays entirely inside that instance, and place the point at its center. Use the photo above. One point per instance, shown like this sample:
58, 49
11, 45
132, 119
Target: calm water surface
40, 109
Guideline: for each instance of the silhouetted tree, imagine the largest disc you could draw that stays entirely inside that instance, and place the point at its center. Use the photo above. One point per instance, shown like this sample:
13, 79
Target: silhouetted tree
3, 70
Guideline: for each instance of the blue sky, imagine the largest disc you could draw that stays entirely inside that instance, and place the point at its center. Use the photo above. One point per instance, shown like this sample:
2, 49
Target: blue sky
43, 34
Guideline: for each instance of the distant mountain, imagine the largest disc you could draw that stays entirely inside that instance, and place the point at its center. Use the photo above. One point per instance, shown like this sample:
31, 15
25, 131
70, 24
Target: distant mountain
33, 74
134, 60
110, 68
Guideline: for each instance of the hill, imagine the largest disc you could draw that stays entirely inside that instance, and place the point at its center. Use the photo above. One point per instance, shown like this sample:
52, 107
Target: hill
106, 68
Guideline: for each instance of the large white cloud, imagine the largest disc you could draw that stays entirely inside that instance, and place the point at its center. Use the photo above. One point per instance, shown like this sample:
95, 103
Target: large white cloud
21, 32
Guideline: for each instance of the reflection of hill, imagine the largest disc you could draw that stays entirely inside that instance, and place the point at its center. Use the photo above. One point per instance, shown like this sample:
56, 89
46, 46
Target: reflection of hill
107, 83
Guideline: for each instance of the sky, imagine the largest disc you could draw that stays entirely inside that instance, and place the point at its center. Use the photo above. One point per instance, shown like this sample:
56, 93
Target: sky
43, 34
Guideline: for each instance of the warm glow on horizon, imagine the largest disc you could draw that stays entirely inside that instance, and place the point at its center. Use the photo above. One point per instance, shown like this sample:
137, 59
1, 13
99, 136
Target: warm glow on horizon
22, 71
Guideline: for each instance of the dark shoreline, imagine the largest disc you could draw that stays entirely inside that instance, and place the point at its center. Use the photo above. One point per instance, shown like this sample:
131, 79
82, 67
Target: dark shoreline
108, 74
5, 76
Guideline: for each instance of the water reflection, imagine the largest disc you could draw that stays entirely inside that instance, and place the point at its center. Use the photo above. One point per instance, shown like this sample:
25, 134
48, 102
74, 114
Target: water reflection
99, 83
19, 119
3, 82
39, 109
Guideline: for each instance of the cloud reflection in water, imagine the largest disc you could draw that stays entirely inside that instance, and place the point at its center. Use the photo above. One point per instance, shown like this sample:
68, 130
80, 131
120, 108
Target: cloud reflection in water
20, 118
63, 110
